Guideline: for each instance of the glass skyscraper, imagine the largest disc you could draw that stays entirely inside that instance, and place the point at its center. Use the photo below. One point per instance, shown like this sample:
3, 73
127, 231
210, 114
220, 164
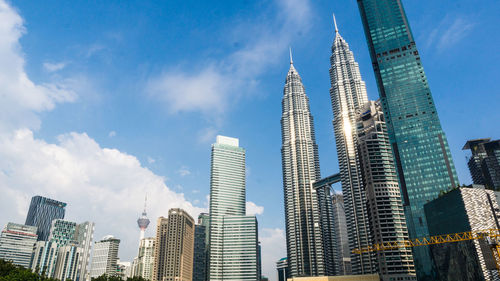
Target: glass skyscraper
300, 161
42, 212
422, 156
16, 243
232, 235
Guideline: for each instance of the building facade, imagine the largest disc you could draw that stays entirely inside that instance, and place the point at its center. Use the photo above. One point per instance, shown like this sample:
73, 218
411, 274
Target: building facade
484, 162
282, 268
300, 163
105, 257
200, 253
144, 263
421, 153
179, 250
16, 243
160, 248
42, 212
342, 254
348, 96
385, 209
232, 234
462, 210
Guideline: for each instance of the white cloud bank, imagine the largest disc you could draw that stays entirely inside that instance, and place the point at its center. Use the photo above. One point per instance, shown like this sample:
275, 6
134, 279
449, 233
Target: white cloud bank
254, 209
99, 184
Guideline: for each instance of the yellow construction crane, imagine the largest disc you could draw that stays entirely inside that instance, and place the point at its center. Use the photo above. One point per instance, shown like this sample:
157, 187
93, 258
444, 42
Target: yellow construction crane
491, 235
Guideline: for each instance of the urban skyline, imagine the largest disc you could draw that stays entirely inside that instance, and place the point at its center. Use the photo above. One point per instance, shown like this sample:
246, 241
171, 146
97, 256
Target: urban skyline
270, 217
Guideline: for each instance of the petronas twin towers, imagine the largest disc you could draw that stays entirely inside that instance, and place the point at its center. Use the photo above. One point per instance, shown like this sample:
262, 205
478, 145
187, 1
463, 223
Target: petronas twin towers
307, 253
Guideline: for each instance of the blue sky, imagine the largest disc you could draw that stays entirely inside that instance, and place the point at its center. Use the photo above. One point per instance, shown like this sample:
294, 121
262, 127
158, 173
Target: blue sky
126, 98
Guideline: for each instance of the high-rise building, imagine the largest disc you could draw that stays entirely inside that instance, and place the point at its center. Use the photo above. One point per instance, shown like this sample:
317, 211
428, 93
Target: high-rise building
327, 222
124, 269
200, 254
484, 163
144, 263
282, 268
348, 96
342, 254
160, 248
179, 247
42, 212
105, 257
385, 209
463, 210
66, 253
143, 221
300, 163
422, 156
16, 243
232, 234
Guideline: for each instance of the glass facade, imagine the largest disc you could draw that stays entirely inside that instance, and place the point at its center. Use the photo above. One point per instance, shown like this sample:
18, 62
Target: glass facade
105, 257
484, 163
420, 148
232, 235
42, 212
16, 243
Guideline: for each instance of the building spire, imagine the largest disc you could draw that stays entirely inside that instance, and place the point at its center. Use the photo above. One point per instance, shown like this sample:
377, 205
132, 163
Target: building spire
291, 59
335, 23
145, 201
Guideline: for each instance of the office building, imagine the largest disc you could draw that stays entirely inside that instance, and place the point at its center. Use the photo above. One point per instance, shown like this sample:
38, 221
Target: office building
300, 163
42, 212
282, 268
484, 162
348, 96
232, 234
144, 262
462, 210
160, 249
200, 253
420, 148
342, 254
105, 257
84, 234
67, 263
16, 243
385, 209
124, 269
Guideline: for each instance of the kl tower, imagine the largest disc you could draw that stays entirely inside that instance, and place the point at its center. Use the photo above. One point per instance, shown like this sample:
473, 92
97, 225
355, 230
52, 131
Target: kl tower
143, 221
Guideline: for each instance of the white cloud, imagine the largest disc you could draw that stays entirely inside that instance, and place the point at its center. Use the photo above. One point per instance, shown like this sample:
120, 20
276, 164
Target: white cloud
99, 184
184, 171
254, 209
20, 98
216, 86
273, 245
450, 30
52, 67
112, 134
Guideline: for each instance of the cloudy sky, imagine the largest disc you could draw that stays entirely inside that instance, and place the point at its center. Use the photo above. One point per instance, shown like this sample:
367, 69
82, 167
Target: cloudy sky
102, 103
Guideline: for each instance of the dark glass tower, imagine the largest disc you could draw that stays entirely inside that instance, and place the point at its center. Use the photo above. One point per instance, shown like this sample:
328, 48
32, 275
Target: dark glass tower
420, 148
42, 212
484, 163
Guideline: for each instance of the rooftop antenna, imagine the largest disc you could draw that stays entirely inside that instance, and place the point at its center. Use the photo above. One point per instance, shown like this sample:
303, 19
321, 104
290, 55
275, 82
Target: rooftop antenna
291, 59
335, 23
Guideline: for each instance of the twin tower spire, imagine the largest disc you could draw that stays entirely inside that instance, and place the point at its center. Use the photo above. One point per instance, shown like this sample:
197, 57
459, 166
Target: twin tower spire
336, 32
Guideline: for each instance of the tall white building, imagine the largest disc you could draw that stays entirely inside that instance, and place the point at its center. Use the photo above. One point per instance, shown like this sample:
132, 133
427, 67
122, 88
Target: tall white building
105, 257
300, 161
233, 235
143, 265
16, 243
348, 96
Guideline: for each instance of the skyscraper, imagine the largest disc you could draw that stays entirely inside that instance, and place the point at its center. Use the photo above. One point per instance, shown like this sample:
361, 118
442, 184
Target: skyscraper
180, 246
42, 212
385, 209
233, 234
160, 248
145, 259
282, 268
143, 221
200, 253
300, 163
484, 163
16, 243
422, 156
348, 96
105, 257
342, 253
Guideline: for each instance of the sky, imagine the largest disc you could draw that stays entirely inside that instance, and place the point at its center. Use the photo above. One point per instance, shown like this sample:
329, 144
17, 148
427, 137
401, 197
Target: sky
105, 102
